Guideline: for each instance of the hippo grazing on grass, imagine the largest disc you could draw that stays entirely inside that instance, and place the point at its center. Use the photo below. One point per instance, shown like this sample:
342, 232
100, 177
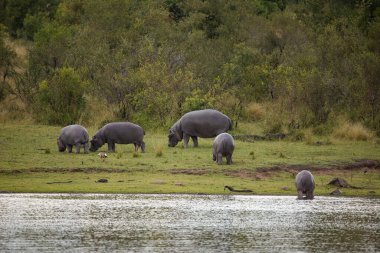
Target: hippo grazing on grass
73, 135
224, 145
305, 185
203, 123
120, 133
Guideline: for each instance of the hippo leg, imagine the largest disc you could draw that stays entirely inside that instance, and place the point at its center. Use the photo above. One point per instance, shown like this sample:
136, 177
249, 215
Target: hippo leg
86, 148
70, 148
195, 141
77, 146
219, 159
229, 159
136, 147
142, 147
309, 195
111, 146
300, 194
213, 157
185, 140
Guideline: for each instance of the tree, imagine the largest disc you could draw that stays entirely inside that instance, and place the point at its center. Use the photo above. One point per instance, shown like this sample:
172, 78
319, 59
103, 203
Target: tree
60, 100
16, 11
7, 64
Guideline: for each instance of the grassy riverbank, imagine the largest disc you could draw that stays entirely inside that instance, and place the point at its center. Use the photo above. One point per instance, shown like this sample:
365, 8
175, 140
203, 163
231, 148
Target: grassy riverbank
30, 162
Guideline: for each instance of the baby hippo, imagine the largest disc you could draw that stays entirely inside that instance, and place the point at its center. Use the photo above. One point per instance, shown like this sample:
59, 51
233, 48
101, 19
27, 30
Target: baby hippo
73, 135
305, 185
224, 145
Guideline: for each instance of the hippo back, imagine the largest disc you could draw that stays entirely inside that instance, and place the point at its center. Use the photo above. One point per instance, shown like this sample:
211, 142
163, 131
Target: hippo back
73, 134
224, 143
122, 132
305, 181
205, 123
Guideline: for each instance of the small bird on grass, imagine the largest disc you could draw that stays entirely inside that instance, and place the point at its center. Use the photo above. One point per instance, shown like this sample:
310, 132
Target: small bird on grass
103, 155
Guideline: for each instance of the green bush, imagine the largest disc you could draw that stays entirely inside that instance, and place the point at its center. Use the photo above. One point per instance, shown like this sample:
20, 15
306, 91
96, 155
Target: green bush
32, 23
196, 101
7, 63
60, 100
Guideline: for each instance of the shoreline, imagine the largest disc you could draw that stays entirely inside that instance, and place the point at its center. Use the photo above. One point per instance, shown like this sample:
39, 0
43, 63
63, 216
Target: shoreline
182, 194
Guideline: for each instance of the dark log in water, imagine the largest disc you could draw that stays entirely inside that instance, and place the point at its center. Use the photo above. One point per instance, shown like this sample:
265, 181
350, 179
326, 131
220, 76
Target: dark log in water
233, 190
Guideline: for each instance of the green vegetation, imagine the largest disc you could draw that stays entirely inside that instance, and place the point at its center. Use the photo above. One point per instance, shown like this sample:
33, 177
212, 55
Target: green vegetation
291, 64
309, 69
26, 166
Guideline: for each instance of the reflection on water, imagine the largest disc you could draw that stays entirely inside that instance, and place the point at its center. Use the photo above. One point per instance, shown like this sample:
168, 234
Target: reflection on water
187, 223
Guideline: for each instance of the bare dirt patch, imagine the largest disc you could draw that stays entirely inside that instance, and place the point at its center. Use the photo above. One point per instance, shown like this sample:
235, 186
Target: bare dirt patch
64, 170
244, 173
197, 172
264, 173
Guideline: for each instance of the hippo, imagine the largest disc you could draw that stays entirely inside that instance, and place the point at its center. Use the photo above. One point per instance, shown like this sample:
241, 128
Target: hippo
224, 145
305, 184
120, 133
203, 123
73, 135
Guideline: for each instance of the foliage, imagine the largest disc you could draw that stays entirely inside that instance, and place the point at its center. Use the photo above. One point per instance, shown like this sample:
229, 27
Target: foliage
196, 101
7, 64
61, 99
151, 61
16, 12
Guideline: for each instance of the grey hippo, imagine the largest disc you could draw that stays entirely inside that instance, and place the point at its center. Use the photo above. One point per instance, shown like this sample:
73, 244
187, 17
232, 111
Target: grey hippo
73, 135
223, 146
305, 185
203, 123
120, 133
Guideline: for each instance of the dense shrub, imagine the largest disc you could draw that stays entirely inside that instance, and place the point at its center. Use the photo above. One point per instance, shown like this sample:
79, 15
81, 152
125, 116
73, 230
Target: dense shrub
151, 61
60, 100
196, 101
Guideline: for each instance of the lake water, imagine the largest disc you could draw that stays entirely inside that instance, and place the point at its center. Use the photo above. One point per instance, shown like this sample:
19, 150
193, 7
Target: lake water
187, 223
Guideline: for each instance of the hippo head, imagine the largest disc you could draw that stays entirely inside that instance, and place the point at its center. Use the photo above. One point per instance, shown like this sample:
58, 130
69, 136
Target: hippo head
61, 146
173, 138
95, 144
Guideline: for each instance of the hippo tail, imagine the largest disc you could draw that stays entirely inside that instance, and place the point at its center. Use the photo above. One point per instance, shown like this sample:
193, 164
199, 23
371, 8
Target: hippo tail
231, 125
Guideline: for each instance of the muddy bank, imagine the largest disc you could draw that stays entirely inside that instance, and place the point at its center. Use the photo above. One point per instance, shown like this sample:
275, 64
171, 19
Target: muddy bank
263, 173
67, 170
258, 173
360, 164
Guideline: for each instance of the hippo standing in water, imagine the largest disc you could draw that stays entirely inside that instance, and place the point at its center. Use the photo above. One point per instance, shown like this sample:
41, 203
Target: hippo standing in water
73, 135
224, 145
120, 133
305, 184
203, 123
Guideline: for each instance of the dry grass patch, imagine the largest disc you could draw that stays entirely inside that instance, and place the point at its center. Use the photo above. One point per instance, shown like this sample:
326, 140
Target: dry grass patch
158, 150
255, 111
353, 131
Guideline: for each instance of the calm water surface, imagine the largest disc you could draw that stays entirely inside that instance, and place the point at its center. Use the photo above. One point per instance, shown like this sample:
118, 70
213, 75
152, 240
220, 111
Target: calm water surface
187, 223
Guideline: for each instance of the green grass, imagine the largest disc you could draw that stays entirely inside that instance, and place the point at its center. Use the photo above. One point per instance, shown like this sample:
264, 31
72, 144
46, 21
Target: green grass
27, 167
